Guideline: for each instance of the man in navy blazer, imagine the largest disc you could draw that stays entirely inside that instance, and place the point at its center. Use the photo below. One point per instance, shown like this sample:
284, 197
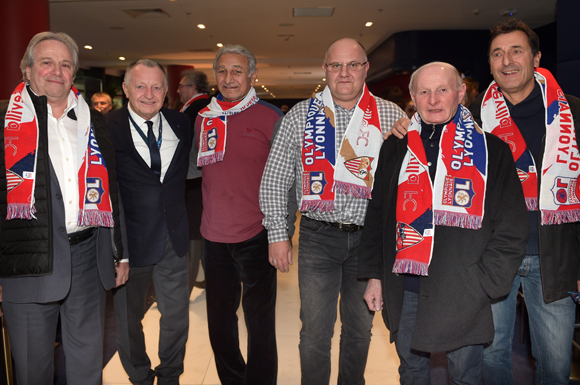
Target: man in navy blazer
152, 146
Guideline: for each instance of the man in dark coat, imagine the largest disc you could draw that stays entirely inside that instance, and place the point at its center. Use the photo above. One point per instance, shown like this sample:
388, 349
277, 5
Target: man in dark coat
444, 305
551, 267
152, 146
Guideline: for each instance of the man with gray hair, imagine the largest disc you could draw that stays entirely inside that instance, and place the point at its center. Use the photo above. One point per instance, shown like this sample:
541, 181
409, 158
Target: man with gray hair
60, 214
152, 146
445, 232
236, 244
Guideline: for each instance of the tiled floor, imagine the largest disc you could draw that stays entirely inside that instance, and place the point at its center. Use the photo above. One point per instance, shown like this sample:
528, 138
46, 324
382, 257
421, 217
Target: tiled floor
199, 362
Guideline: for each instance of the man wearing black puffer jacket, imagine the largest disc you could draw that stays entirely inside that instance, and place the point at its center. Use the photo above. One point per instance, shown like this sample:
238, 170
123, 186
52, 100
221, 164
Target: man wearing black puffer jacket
59, 218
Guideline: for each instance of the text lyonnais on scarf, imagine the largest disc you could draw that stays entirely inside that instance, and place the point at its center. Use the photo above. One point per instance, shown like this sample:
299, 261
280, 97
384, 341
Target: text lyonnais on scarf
455, 198
349, 171
559, 196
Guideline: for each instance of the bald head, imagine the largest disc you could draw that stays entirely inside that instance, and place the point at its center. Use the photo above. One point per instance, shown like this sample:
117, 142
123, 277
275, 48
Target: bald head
436, 89
443, 67
347, 42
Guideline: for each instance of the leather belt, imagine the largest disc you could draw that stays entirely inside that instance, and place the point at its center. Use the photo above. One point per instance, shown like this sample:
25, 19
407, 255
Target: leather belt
347, 227
80, 236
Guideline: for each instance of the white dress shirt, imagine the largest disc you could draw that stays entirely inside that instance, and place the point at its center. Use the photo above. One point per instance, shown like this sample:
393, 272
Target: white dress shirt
169, 140
62, 150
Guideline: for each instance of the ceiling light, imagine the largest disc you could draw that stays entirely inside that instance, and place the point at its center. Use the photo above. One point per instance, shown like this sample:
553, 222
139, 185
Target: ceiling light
201, 26
313, 12
88, 47
256, 80
220, 45
368, 23
263, 86
323, 79
122, 58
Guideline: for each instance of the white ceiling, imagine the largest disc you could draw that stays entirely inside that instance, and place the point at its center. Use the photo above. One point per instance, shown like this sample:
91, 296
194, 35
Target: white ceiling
289, 50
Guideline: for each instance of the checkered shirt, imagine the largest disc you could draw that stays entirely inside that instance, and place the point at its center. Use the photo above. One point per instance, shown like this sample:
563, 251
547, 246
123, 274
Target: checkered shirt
284, 168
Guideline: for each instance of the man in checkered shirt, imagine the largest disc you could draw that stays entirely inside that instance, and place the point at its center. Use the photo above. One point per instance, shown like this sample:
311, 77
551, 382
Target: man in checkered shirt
328, 146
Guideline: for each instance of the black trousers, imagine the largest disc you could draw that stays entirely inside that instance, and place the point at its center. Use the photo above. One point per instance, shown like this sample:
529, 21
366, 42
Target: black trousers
235, 271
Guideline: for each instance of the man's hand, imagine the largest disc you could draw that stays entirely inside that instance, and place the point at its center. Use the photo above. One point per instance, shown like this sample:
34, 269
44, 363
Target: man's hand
280, 255
399, 128
121, 273
374, 295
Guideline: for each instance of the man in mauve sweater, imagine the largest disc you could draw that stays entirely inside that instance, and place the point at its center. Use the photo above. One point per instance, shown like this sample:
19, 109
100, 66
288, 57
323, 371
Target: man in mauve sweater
236, 243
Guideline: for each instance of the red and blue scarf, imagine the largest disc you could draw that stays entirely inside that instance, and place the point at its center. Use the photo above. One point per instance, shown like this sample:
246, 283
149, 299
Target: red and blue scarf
352, 170
455, 198
559, 196
212, 140
21, 147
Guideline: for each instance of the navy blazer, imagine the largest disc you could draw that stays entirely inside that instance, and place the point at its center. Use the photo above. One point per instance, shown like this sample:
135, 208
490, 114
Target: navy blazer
152, 209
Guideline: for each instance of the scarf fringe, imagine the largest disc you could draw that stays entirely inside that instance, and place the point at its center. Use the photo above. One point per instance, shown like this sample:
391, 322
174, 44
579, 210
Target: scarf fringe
20, 211
532, 204
464, 221
356, 191
95, 218
206, 160
320, 205
407, 266
557, 217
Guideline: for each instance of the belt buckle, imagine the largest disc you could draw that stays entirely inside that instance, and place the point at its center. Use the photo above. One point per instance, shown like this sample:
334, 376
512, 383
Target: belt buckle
348, 227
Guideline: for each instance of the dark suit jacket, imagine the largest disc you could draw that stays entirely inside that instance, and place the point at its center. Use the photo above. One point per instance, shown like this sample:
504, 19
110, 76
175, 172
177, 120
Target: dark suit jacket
153, 210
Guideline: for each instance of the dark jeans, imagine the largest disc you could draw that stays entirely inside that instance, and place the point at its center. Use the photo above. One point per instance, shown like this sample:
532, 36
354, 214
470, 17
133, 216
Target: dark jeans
465, 364
234, 271
169, 277
328, 259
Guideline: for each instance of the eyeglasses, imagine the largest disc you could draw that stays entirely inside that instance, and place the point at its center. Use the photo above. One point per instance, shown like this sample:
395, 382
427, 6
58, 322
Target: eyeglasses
353, 66
183, 86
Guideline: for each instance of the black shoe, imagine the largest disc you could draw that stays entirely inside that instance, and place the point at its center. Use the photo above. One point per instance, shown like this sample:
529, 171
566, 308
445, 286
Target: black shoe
200, 284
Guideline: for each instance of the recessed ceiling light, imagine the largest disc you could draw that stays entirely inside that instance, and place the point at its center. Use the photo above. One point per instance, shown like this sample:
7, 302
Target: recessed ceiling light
368, 23
88, 47
220, 45
313, 11
201, 26
256, 80
323, 79
122, 58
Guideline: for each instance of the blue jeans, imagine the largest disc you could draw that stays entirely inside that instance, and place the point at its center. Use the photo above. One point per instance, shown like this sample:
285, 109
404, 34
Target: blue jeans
551, 331
465, 364
328, 259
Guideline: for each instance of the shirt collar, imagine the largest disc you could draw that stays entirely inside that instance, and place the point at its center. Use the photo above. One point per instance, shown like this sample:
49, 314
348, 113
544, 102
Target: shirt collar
139, 120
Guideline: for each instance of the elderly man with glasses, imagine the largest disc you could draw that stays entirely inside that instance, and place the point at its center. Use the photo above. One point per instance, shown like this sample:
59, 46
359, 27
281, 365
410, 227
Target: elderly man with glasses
328, 146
